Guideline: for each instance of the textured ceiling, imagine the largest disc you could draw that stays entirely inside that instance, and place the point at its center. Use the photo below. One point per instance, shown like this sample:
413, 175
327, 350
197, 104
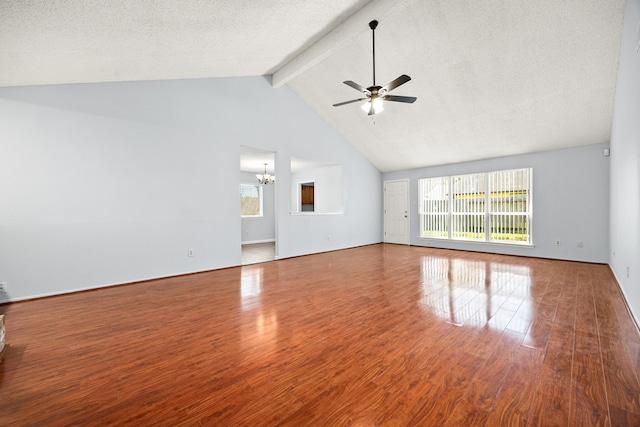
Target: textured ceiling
492, 78
71, 41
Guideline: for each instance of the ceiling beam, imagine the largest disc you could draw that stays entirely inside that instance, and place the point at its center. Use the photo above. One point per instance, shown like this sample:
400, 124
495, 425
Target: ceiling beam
335, 39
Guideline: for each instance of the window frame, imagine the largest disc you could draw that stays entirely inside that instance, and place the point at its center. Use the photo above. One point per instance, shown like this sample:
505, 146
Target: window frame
513, 214
260, 200
483, 194
467, 221
438, 214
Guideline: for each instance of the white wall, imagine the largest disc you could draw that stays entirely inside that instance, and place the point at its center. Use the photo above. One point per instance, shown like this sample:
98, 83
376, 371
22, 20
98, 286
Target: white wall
111, 183
625, 163
327, 188
260, 229
570, 202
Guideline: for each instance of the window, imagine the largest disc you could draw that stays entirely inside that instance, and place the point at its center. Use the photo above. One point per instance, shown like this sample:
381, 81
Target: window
467, 211
464, 207
250, 200
509, 207
434, 207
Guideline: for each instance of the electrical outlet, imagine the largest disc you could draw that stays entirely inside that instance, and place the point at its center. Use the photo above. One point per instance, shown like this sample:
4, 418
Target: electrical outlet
627, 272
557, 242
190, 252
3, 287
579, 244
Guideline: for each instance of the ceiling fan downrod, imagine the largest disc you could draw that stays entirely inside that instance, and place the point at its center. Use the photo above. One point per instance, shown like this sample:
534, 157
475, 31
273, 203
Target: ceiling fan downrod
373, 25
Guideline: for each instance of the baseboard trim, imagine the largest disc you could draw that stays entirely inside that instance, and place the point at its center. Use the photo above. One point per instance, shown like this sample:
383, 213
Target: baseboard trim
625, 299
253, 242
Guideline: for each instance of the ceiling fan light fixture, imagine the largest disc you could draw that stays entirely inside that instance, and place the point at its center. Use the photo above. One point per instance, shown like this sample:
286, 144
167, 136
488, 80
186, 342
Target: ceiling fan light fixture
375, 103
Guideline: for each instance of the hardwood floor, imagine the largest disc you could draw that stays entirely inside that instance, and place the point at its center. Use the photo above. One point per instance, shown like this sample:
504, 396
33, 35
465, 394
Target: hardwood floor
379, 335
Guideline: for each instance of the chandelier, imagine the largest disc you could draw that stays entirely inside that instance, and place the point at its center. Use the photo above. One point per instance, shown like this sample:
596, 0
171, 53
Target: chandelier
265, 178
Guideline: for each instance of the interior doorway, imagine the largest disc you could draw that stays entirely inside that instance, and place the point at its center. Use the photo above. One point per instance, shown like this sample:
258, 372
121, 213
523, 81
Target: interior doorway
257, 205
396, 212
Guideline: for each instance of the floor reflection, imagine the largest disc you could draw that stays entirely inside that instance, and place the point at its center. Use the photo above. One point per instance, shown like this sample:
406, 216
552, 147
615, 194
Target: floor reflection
261, 324
251, 280
478, 293
266, 326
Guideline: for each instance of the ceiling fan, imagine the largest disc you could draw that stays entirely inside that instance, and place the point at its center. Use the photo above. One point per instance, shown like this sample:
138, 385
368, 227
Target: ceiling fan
376, 94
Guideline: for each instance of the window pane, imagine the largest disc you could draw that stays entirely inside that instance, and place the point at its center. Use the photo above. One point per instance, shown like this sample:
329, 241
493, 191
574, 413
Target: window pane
250, 200
510, 209
434, 207
468, 207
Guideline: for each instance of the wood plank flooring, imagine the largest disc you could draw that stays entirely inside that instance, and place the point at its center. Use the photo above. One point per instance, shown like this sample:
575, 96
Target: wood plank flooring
382, 335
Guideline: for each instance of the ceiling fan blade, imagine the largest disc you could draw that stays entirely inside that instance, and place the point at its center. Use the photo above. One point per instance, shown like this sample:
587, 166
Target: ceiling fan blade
394, 84
356, 86
349, 102
395, 98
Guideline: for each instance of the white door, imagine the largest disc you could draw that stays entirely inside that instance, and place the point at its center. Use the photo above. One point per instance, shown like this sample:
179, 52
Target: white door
396, 212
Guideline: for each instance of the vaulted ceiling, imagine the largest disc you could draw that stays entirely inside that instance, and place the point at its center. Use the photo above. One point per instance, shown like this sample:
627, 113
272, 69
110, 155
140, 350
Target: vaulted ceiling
492, 78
